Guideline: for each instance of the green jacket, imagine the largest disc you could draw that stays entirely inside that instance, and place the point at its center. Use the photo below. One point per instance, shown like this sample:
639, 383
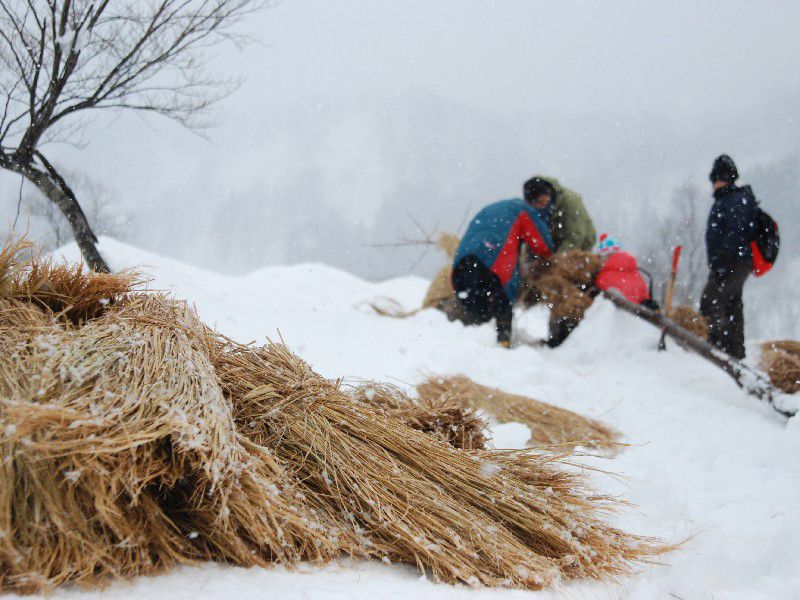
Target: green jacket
571, 226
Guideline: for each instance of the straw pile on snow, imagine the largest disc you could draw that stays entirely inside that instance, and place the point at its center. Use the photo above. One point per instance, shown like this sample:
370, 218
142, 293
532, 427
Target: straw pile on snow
459, 426
549, 425
480, 517
135, 438
691, 320
564, 282
121, 455
441, 289
440, 294
780, 359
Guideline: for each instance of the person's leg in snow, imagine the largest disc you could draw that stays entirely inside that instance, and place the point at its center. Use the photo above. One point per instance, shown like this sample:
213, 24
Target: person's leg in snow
721, 304
734, 340
559, 330
481, 294
503, 315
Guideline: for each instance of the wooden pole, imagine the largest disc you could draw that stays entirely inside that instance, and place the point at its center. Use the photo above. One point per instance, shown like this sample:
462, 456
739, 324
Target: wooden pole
676, 259
746, 378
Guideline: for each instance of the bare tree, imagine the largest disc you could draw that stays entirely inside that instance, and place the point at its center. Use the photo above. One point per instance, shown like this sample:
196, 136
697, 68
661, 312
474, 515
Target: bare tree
685, 226
107, 216
60, 59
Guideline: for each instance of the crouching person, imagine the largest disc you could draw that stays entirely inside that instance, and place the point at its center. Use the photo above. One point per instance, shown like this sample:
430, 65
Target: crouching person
486, 275
615, 270
621, 272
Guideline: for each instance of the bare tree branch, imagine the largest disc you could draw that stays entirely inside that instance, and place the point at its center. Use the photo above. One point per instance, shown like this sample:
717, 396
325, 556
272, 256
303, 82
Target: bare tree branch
62, 58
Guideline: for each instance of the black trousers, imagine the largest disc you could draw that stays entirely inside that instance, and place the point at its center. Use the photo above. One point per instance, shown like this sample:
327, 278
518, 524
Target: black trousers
721, 304
481, 294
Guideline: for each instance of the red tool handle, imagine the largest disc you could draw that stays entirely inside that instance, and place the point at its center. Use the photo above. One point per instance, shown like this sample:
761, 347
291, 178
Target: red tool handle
676, 257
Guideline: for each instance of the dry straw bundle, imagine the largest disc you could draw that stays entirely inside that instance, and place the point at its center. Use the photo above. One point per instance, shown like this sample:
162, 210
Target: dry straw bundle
480, 517
459, 426
781, 361
389, 307
441, 288
563, 282
549, 425
135, 438
691, 320
121, 456
440, 291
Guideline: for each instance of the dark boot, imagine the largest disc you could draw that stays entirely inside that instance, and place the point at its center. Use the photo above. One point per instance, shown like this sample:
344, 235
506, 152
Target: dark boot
560, 328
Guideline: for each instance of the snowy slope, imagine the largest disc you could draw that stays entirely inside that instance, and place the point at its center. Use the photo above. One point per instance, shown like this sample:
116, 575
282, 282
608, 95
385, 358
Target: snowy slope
705, 461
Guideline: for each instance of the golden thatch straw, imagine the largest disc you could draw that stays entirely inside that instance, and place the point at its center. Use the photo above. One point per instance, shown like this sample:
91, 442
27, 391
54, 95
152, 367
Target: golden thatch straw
440, 288
468, 516
788, 346
549, 425
135, 438
691, 320
459, 426
69, 291
780, 359
389, 307
448, 243
121, 456
563, 282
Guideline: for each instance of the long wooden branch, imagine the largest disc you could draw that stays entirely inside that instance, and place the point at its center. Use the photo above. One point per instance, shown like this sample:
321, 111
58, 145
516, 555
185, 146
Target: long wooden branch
754, 383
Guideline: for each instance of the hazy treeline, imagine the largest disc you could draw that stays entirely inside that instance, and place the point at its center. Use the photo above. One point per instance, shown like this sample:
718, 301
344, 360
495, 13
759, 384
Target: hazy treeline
350, 182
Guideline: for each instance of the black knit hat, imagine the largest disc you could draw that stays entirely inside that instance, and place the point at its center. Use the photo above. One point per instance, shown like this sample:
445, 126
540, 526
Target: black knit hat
536, 187
724, 169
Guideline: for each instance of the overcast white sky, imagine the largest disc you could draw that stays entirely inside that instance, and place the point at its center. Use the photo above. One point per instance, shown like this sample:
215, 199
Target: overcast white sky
358, 90
527, 54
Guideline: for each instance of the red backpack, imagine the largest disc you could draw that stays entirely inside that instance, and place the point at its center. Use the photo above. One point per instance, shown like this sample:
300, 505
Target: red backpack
766, 244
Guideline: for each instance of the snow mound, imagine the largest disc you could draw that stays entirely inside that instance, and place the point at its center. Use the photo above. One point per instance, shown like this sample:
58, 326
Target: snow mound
705, 462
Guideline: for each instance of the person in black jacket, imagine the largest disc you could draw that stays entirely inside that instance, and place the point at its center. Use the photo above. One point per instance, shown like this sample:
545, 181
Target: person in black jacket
729, 232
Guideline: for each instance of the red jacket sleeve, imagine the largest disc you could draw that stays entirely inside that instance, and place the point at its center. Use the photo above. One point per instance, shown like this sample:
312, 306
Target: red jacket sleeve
529, 233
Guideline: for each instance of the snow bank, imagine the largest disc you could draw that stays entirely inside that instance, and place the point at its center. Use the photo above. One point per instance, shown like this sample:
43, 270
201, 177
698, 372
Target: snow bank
706, 461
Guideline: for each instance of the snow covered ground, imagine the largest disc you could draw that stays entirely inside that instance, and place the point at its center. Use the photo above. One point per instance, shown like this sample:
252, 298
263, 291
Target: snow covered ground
706, 462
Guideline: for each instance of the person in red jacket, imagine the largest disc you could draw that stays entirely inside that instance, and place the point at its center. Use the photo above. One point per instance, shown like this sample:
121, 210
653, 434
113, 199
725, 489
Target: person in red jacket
621, 272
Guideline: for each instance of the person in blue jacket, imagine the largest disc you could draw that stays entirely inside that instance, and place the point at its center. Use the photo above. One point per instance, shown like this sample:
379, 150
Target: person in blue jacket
730, 229
486, 275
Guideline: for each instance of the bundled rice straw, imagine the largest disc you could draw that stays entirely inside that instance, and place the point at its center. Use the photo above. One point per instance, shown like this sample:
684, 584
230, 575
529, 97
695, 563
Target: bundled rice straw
781, 361
691, 320
549, 425
788, 346
440, 289
564, 283
578, 266
135, 438
389, 307
67, 290
480, 517
448, 243
459, 426
121, 457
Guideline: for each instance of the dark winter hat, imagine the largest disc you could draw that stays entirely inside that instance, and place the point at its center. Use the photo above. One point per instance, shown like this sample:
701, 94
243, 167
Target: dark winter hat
724, 169
536, 187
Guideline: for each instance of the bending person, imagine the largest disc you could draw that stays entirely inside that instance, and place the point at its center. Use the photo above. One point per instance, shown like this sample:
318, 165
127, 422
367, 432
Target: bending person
486, 275
567, 219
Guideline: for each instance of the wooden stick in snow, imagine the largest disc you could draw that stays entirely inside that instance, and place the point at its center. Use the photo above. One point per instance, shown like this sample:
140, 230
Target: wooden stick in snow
746, 378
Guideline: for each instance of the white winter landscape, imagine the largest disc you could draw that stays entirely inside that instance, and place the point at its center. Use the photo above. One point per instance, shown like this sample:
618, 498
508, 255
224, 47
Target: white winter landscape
705, 463
299, 159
